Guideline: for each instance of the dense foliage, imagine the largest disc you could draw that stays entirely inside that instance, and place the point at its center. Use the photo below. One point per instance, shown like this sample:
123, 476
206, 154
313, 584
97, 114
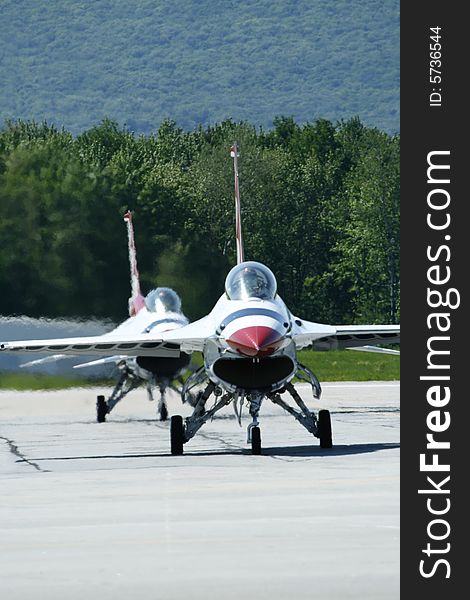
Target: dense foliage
75, 62
320, 206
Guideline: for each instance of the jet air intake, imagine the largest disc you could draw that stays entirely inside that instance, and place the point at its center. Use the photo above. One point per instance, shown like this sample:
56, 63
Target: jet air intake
255, 373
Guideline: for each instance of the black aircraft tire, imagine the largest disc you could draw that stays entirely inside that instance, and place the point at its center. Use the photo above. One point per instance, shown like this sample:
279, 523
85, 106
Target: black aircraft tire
101, 409
324, 429
163, 413
176, 435
256, 441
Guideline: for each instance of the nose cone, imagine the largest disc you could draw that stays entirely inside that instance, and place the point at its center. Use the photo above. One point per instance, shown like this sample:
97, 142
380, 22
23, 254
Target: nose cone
256, 341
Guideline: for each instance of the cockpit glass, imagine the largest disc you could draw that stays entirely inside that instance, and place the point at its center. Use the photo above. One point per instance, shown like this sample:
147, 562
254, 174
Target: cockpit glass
163, 300
250, 280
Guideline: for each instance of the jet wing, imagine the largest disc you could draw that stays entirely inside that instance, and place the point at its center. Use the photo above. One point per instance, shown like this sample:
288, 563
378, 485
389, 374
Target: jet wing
133, 337
128, 345
189, 338
325, 337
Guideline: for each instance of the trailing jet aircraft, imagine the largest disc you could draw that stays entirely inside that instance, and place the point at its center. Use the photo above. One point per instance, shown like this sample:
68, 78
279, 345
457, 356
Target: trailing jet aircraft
158, 312
249, 343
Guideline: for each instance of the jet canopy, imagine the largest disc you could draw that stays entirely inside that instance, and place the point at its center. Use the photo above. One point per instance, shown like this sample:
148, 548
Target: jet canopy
163, 300
250, 280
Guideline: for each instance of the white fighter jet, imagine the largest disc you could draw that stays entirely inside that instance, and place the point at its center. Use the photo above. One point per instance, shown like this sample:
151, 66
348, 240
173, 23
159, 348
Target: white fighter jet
249, 343
158, 312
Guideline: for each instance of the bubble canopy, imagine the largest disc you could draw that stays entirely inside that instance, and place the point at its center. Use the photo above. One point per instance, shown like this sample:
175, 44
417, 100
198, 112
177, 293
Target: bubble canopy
163, 300
250, 280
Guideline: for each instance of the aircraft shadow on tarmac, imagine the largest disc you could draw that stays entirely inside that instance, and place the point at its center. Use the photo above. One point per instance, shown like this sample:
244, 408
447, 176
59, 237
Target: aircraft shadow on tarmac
293, 451
339, 450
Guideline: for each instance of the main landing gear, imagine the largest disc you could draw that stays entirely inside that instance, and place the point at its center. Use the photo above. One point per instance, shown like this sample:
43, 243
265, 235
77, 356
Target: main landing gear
128, 381
324, 429
177, 438
101, 409
181, 431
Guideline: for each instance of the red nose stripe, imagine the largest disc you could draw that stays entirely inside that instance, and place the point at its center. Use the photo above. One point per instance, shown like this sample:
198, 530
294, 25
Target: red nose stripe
255, 341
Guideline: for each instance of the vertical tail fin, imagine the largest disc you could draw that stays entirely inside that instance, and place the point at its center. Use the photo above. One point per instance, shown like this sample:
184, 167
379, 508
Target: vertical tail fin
238, 218
136, 301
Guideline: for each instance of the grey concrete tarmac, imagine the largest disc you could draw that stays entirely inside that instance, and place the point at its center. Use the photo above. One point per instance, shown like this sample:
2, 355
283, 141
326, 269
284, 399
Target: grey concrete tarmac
103, 511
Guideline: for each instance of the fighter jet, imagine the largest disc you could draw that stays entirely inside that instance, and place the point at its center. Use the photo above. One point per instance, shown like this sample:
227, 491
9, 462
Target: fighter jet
249, 343
154, 314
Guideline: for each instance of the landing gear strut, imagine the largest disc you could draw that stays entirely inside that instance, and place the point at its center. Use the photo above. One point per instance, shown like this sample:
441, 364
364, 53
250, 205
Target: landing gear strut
320, 427
180, 432
127, 382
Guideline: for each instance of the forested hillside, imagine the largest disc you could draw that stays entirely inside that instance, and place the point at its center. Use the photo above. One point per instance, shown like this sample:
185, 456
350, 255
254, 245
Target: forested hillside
320, 206
75, 62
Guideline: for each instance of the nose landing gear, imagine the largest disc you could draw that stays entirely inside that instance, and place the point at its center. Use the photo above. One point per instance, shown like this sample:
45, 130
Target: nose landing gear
253, 430
254, 435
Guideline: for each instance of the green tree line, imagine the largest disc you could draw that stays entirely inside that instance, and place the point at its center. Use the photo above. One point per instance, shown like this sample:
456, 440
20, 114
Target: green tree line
320, 206
72, 62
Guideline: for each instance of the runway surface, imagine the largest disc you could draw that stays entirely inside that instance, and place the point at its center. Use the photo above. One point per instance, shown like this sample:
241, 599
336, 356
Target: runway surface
103, 511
